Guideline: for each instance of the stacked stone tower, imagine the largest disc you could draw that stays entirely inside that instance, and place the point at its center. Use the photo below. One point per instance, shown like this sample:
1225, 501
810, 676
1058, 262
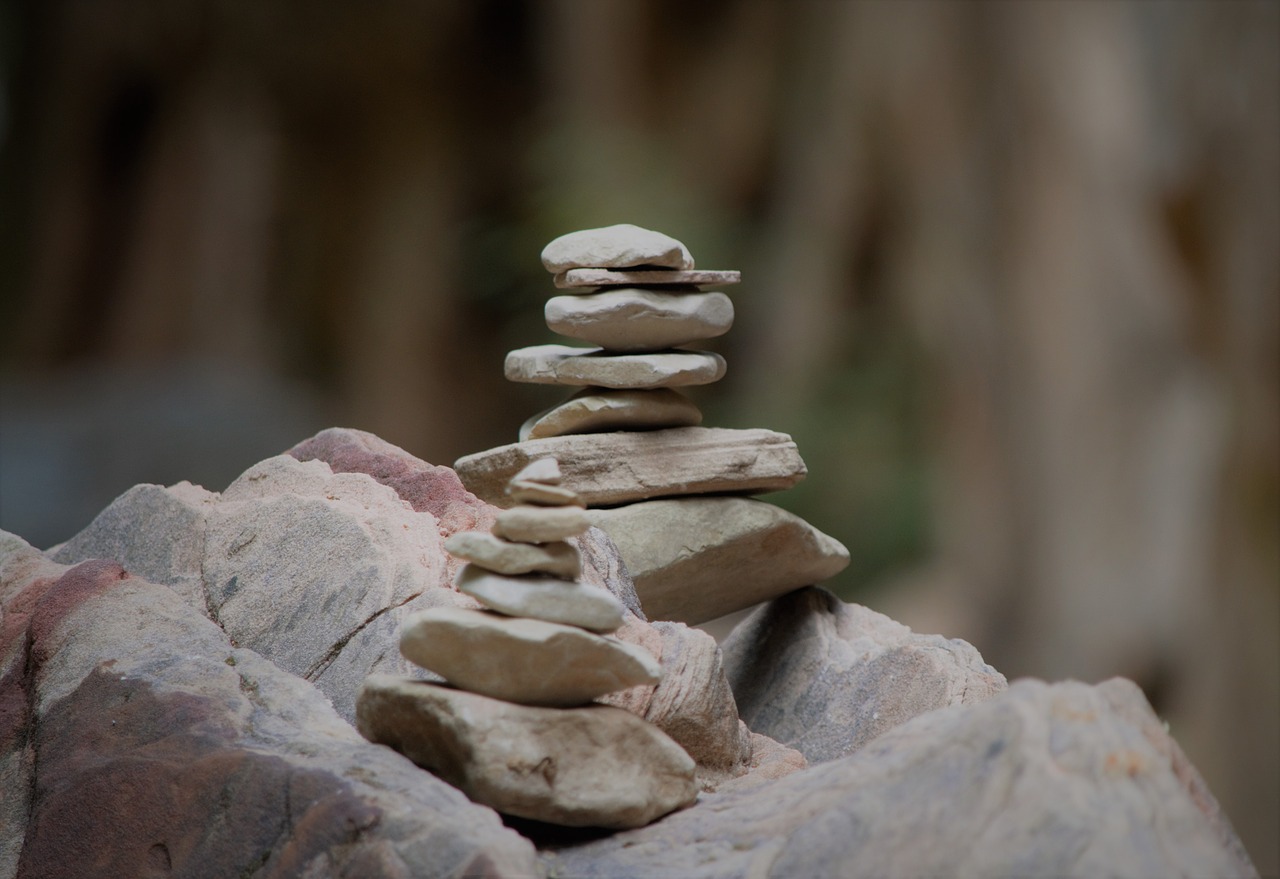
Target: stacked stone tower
672, 494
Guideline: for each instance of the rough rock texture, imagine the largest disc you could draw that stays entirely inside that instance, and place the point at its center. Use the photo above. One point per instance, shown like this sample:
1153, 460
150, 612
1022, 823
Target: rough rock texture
590, 278
595, 766
595, 410
566, 365
617, 468
696, 559
526, 661
571, 602
1043, 780
825, 677
135, 740
619, 246
559, 559
640, 320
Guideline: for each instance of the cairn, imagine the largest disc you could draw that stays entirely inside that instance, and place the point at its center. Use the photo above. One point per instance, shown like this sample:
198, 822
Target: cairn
672, 494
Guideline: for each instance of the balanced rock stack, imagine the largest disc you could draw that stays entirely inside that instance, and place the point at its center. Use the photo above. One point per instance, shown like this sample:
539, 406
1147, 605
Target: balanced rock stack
515, 731
668, 491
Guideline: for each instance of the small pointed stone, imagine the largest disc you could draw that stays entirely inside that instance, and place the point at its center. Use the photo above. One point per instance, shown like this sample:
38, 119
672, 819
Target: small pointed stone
571, 603
533, 524
523, 492
565, 365
629, 319
543, 470
595, 410
529, 662
620, 246
503, 557
587, 280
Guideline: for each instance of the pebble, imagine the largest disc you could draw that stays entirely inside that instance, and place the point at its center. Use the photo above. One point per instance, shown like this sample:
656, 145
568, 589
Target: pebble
504, 557
620, 246
571, 603
593, 410
628, 319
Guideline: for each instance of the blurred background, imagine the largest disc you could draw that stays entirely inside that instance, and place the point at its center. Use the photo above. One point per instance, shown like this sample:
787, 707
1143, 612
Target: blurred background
1011, 279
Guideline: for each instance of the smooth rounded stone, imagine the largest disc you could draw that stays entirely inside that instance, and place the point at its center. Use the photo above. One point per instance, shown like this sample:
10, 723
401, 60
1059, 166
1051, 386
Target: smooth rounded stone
544, 470
625, 466
523, 492
595, 766
695, 559
628, 319
595, 410
532, 524
572, 603
529, 662
577, 279
566, 365
503, 557
621, 246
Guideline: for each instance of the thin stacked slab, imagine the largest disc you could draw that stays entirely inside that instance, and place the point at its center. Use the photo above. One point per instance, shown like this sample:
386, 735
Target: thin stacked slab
523, 671
628, 436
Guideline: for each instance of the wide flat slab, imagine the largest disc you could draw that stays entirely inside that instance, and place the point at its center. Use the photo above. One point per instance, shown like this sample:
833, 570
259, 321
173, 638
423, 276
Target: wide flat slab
577, 278
616, 468
579, 367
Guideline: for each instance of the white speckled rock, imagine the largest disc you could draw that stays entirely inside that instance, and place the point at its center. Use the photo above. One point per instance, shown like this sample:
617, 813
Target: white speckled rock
628, 319
594, 410
504, 557
596, 766
552, 600
565, 365
529, 662
621, 246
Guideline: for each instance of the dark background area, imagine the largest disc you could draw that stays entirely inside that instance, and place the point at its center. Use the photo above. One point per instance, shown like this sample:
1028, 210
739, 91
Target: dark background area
1011, 279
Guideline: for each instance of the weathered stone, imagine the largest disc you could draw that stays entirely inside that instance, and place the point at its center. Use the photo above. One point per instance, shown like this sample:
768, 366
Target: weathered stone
495, 554
628, 319
594, 410
565, 365
571, 603
825, 677
164, 750
529, 662
545, 471
532, 524
617, 468
525, 492
593, 766
1063, 780
695, 559
620, 246
574, 279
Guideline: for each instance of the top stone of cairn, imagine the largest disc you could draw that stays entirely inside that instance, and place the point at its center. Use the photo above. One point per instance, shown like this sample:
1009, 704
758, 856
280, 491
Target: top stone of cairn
615, 247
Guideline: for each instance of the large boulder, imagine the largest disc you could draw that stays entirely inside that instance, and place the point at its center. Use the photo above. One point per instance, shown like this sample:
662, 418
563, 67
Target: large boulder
163, 749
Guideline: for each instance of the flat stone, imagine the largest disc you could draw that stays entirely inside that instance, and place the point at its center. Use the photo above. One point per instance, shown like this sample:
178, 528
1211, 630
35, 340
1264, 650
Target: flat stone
504, 557
596, 410
621, 467
572, 603
595, 766
620, 246
529, 662
628, 319
541, 494
695, 559
591, 278
533, 524
565, 365
544, 470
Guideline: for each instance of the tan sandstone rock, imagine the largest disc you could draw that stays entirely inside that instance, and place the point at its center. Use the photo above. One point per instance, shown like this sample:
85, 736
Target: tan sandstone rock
527, 523
504, 557
587, 280
628, 319
566, 365
570, 602
593, 766
595, 410
619, 246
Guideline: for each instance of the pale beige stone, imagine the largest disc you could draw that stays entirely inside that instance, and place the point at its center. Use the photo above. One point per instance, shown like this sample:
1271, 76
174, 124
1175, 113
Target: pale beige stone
695, 559
595, 410
578, 279
532, 524
504, 557
565, 365
572, 603
617, 468
530, 662
628, 319
620, 246
543, 470
539, 493
582, 767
